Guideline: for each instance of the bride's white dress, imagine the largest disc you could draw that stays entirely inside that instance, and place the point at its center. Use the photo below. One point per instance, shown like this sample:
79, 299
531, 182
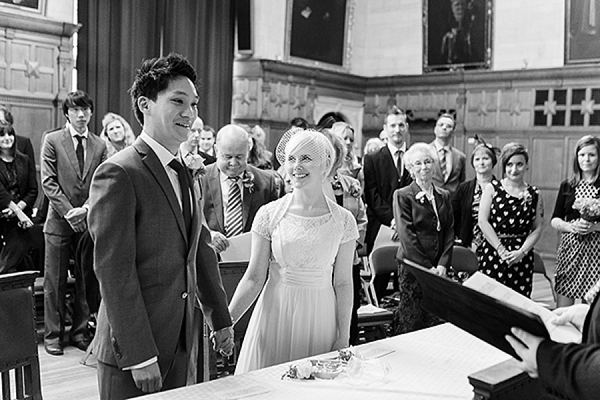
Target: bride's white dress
295, 315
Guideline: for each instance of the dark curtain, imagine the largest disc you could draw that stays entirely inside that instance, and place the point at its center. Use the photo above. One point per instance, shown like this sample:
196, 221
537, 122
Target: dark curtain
116, 35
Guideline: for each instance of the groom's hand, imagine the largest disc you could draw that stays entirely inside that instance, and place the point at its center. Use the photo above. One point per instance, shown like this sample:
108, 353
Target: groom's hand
148, 379
223, 341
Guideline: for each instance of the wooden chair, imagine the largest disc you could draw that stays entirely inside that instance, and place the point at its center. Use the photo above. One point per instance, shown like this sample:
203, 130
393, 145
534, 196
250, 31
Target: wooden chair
540, 268
18, 348
382, 261
464, 260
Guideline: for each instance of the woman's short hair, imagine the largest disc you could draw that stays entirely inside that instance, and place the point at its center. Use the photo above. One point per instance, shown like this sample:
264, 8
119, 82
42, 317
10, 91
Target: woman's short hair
488, 149
111, 117
338, 146
414, 150
316, 144
587, 140
374, 143
510, 150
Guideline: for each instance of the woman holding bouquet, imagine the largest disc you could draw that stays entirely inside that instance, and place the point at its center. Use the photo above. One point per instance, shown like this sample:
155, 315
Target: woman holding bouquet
578, 256
425, 223
303, 247
510, 218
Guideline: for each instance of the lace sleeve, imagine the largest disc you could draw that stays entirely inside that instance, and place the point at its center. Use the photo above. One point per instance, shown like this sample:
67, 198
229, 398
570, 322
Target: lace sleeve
350, 227
260, 224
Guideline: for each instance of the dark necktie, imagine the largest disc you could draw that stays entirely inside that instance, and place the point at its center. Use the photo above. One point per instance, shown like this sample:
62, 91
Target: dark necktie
79, 153
399, 163
233, 218
184, 184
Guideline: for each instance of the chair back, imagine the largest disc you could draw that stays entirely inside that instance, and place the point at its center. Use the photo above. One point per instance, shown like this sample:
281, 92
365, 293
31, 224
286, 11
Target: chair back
383, 260
464, 259
538, 263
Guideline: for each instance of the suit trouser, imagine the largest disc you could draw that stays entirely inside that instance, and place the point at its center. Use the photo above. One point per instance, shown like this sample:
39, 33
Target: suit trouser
58, 253
17, 243
116, 384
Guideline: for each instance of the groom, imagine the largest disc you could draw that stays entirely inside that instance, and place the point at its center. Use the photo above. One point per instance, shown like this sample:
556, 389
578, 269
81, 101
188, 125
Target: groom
151, 251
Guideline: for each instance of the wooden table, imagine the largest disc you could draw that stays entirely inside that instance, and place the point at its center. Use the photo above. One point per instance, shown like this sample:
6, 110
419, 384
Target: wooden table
430, 364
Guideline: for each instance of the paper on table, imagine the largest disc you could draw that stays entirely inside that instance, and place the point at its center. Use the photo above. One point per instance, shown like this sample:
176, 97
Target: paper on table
370, 309
239, 248
486, 285
384, 237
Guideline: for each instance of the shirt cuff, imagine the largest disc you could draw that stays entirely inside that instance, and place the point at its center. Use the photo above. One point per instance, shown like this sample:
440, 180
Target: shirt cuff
142, 365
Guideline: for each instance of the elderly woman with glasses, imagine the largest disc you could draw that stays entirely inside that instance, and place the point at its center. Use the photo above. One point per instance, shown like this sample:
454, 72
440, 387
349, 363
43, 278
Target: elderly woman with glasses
425, 223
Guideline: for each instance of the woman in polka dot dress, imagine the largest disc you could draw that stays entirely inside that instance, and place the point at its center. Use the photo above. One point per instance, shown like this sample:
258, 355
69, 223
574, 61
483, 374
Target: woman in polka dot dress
578, 256
510, 218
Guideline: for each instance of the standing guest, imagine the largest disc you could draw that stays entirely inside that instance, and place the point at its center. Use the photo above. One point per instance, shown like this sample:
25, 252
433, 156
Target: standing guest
299, 122
23, 143
116, 133
18, 192
578, 256
304, 243
372, 145
467, 197
350, 165
423, 214
191, 146
151, 250
233, 189
207, 144
384, 173
258, 154
346, 192
451, 163
510, 218
70, 155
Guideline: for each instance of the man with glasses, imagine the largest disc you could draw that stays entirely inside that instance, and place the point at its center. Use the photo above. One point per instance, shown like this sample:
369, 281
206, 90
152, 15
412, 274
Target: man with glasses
384, 173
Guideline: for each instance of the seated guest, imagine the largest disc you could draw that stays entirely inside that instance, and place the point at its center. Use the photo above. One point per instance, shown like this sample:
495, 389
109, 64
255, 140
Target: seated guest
301, 262
424, 220
116, 132
350, 165
346, 192
18, 192
565, 370
450, 168
578, 255
233, 189
465, 201
510, 218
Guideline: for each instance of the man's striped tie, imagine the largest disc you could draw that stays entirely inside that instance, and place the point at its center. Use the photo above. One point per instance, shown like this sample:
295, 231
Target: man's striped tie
443, 166
233, 217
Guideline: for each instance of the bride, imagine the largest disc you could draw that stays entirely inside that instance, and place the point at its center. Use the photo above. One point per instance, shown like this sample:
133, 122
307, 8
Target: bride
305, 242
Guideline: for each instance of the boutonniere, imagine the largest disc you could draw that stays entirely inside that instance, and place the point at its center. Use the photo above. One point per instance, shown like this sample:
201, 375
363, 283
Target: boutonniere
196, 165
421, 197
248, 180
355, 189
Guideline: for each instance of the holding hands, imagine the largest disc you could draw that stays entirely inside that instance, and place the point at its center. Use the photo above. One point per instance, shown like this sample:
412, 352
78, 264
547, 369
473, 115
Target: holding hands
222, 341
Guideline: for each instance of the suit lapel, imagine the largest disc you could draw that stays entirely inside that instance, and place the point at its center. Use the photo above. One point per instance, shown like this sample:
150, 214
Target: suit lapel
389, 167
90, 150
67, 142
247, 201
150, 159
214, 189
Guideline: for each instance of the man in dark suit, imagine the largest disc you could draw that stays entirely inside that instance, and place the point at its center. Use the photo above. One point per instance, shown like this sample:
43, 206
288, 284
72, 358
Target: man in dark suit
255, 186
451, 164
70, 155
384, 173
207, 144
152, 254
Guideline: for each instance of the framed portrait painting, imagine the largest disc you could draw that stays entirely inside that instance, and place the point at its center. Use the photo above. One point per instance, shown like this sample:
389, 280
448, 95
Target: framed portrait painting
457, 34
318, 32
36, 6
582, 31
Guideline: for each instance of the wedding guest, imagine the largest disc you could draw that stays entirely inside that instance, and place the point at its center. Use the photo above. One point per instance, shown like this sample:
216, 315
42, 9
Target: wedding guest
299, 122
350, 164
510, 218
565, 371
18, 192
23, 143
258, 155
207, 144
346, 191
465, 201
302, 246
116, 132
424, 220
372, 145
450, 168
233, 189
578, 256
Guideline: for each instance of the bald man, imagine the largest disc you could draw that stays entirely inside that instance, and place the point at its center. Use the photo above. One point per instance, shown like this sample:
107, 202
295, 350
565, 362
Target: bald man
221, 198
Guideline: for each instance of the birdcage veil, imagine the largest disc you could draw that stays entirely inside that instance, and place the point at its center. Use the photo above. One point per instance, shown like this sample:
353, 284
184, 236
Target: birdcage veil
312, 142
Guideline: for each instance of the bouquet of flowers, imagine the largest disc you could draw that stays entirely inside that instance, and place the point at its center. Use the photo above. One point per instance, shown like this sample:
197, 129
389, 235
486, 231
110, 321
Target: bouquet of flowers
589, 209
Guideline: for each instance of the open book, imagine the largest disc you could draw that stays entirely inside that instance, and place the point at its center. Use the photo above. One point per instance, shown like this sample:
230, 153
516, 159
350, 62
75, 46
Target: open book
488, 286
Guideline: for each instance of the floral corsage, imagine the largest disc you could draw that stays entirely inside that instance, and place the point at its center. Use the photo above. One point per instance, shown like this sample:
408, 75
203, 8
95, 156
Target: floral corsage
196, 165
248, 180
355, 189
421, 197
